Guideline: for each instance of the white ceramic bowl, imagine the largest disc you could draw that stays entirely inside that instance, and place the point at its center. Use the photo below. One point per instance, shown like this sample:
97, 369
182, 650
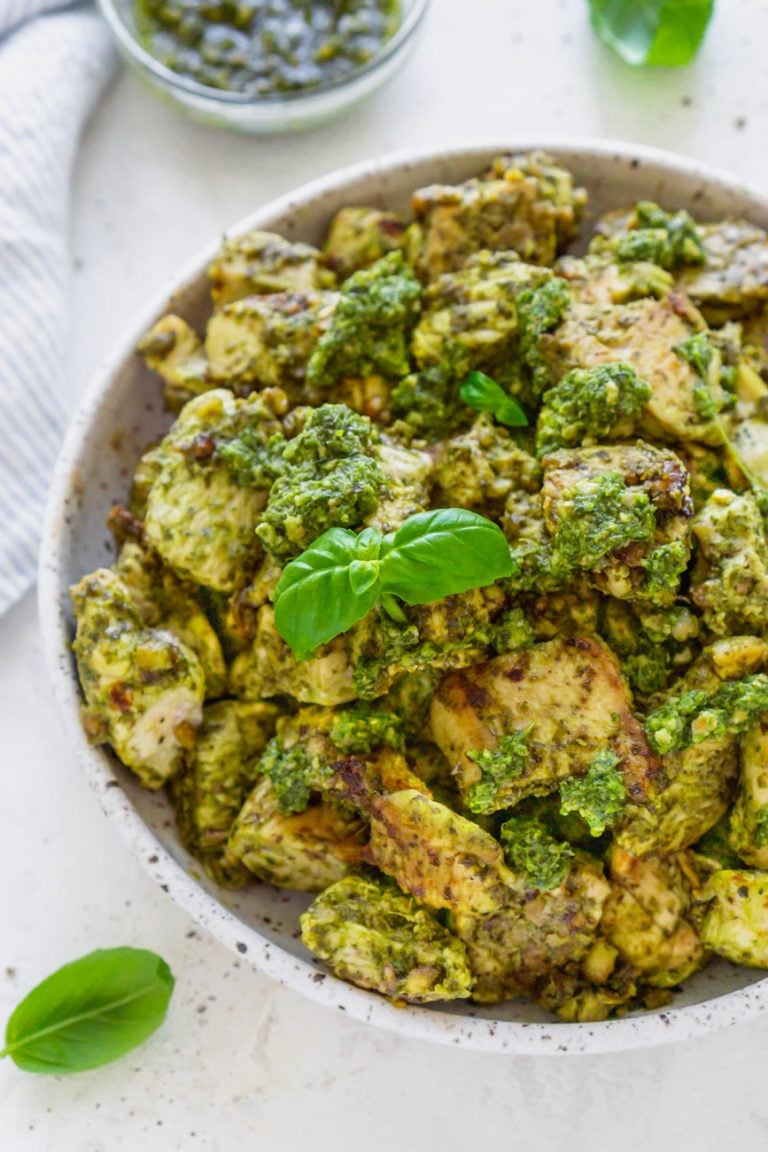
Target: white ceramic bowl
122, 412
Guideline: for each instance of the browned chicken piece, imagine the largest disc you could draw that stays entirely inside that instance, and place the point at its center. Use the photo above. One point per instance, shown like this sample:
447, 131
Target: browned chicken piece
512, 948
569, 699
655, 472
733, 280
303, 850
261, 263
693, 792
647, 916
441, 858
748, 825
263, 341
268, 668
174, 350
359, 236
644, 334
597, 279
524, 203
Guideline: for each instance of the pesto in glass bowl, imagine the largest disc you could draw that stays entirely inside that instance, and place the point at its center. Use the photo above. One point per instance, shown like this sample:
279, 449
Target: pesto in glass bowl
264, 65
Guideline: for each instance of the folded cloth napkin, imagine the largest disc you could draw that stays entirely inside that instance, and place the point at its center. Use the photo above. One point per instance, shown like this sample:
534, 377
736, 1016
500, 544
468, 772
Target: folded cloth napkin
53, 65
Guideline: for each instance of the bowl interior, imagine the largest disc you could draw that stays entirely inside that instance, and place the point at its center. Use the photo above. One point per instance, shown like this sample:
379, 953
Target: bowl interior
123, 412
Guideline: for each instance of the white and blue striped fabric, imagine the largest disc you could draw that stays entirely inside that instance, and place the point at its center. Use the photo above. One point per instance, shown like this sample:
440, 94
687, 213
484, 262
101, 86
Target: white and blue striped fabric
53, 65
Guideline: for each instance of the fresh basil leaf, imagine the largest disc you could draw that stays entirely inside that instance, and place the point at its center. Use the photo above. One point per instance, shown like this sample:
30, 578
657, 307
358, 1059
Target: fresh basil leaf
662, 32
315, 598
441, 553
485, 395
90, 1012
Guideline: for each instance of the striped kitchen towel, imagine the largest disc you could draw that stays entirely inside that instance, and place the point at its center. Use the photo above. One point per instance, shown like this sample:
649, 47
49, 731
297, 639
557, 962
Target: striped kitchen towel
53, 65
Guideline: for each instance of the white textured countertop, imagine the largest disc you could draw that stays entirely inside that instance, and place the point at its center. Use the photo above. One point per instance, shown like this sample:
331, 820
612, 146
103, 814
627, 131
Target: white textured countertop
242, 1063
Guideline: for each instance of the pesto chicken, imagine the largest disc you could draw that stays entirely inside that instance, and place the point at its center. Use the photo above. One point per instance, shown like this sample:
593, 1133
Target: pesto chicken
444, 596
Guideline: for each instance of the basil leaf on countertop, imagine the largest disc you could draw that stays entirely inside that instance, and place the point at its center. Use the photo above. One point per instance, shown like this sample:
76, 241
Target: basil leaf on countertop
90, 1012
661, 32
485, 395
342, 576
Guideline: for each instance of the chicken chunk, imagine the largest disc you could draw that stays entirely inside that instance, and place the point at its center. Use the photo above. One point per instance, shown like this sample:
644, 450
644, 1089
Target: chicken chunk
268, 340
302, 850
143, 688
222, 771
560, 703
623, 513
524, 203
469, 316
730, 578
690, 795
646, 335
596, 279
375, 936
269, 668
733, 280
163, 601
174, 350
448, 633
358, 237
441, 858
748, 831
532, 933
480, 468
735, 924
213, 472
263, 263
406, 483
647, 915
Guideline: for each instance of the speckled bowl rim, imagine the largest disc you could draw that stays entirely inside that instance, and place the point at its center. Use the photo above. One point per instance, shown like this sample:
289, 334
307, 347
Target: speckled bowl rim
424, 1024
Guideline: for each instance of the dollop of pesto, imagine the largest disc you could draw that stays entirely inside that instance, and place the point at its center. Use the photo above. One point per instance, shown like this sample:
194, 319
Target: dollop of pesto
512, 632
664, 566
371, 327
265, 47
539, 310
670, 240
429, 403
708, 398
590, 404
530, 850
294, 774
696, 715
252, 463
598, 515
599, 796
363, 727
329, 479
499, 766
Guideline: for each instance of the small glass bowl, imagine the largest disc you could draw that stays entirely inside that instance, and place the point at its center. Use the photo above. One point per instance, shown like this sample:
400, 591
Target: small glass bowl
284, 112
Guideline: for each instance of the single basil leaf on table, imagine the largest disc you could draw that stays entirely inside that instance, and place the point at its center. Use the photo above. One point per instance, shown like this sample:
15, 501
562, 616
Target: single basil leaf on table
90, 1012
327, 589
442, 553
485, 395
661, 32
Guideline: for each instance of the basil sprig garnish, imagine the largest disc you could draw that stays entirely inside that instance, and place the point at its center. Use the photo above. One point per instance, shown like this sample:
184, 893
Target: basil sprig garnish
342, 576
485, 395
665, 32
90, 1012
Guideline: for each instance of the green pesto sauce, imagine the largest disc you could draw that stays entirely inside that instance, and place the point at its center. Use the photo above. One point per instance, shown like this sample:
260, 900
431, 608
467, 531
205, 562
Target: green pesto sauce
694, 716
265, 47
599, 796
529, 849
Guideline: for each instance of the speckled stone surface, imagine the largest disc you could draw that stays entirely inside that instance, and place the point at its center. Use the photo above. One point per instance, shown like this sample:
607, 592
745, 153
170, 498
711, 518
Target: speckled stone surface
241, 1062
